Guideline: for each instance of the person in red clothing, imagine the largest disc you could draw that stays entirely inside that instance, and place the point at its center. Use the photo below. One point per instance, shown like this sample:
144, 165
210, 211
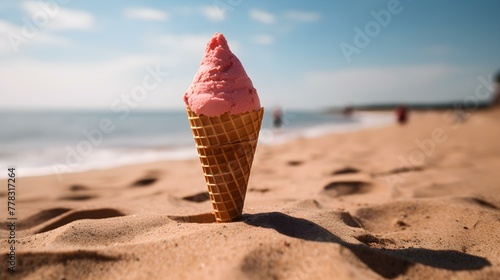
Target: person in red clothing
402, 114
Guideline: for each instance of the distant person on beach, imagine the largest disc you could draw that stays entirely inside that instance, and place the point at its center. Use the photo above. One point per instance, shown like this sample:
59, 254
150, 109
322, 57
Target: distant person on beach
402, 114
277, 117
347, 112
496, 94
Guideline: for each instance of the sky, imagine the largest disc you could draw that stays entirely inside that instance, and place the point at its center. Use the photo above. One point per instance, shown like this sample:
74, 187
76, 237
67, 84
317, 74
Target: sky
75, 54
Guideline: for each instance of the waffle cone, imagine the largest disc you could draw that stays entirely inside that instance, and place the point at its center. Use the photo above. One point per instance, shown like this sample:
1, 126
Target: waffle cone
226, 147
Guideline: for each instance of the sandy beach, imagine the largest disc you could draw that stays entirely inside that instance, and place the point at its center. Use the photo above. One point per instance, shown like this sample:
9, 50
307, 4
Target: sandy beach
419, 201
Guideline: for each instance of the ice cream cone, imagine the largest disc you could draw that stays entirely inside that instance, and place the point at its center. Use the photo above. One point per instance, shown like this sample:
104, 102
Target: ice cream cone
226, 146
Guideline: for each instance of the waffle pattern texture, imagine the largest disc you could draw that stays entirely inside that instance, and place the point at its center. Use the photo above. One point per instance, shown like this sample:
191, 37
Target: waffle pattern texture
226, 147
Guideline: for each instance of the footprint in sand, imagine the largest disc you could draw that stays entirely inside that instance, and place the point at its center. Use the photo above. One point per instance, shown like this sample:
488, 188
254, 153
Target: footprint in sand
149, 179
349, 220
294, 162
199, 197
403, 169
144, 182
342, 188
41, 217
345, 170
259, 190
78, 193
76, 188
68, 217
77, 197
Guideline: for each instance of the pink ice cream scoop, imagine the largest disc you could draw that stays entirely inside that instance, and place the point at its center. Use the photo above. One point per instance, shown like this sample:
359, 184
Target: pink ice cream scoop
221, 84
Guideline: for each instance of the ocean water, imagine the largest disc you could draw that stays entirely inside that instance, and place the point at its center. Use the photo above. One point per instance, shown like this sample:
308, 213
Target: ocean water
39, 143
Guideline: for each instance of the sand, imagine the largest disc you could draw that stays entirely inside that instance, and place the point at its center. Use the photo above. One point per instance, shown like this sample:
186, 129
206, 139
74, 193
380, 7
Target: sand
420, 201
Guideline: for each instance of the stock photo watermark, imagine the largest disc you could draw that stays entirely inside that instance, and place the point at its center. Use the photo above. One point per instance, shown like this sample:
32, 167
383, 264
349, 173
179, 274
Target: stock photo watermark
35, 23
11, 221
454, 118
364, 36
224, 6
122, 106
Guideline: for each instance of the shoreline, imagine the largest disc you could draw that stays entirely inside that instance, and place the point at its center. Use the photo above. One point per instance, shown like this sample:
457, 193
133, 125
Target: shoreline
269, 137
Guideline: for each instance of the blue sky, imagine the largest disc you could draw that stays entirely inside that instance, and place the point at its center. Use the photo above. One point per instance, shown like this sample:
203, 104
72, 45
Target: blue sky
72, 54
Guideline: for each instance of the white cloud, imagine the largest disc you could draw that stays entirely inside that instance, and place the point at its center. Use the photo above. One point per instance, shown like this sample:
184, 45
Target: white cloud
263, 39
53, 40
390, 84
302, 16
55, 17
5, 29
16, 34
42, 20
262, 16
146, 14
70, 84
188, 44
72, 19
4, 47
184, 43
213, 13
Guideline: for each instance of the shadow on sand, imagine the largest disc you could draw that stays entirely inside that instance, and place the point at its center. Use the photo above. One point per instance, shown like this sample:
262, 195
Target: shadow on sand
388, 263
